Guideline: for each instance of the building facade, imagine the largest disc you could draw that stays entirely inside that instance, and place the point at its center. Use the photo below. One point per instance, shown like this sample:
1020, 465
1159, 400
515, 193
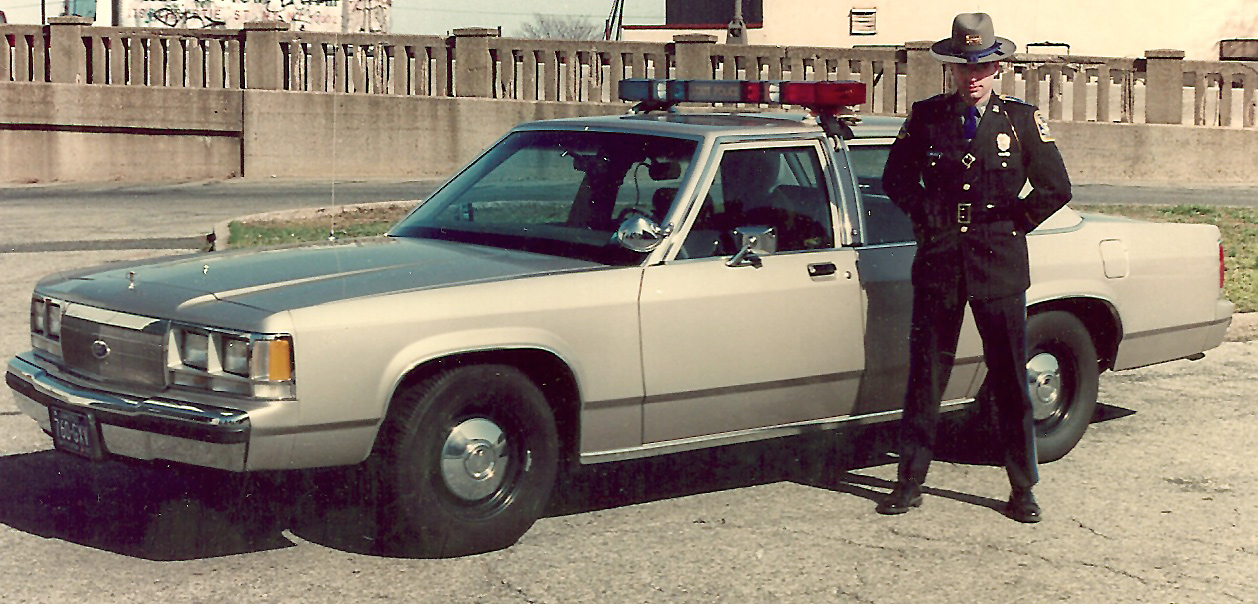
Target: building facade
1116, 28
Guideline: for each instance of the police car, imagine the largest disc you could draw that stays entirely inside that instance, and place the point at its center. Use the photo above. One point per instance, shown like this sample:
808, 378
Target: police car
588, 290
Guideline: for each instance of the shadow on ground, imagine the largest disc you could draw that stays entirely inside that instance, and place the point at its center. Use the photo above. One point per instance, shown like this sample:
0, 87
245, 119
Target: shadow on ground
160, 512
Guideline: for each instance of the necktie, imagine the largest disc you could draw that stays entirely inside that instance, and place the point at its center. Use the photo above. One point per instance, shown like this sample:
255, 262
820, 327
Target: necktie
971, 121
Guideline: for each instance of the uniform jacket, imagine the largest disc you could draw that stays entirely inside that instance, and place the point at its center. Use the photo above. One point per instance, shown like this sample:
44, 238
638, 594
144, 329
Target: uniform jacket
932, 169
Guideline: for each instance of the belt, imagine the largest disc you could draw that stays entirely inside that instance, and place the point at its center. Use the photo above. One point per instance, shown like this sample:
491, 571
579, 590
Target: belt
979, 213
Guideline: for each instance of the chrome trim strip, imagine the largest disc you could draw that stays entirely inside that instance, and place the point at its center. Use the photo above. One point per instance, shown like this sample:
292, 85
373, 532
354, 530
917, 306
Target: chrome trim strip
812, 380
1173, 329
613, 403
108, 317
754, 434
328, 427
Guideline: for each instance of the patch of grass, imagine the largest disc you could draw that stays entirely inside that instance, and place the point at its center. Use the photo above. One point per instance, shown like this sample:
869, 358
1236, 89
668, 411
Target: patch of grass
1238, 227
363, 221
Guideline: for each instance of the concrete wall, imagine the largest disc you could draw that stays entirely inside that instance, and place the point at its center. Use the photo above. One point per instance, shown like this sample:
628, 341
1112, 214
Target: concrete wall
321, 135
67, 133
1156, 153
55, 132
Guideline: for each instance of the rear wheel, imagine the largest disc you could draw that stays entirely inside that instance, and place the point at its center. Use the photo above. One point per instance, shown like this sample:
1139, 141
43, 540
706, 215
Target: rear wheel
467, 462
1062, 378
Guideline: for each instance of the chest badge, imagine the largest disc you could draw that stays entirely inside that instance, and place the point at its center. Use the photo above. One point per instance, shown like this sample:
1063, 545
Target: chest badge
1003, 142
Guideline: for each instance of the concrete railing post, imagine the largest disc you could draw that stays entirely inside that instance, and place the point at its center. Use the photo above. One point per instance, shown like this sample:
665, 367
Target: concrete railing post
925, 73
1164, 86
694, 56
473, 67
67, 53
264, 59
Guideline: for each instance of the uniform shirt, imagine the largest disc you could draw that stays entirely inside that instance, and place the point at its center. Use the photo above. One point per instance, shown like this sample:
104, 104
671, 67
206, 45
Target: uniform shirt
963, 195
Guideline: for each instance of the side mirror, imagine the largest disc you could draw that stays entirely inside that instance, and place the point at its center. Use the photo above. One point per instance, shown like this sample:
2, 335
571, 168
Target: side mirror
639, 233
754, 240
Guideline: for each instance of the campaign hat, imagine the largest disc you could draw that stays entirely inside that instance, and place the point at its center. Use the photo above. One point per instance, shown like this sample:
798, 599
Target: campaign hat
973, 40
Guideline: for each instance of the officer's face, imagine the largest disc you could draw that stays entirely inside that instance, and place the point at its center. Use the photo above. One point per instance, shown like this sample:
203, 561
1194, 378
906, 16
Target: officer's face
974, 80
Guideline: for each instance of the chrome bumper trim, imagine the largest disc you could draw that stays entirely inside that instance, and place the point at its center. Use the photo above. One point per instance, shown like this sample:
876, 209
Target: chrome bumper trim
141, 428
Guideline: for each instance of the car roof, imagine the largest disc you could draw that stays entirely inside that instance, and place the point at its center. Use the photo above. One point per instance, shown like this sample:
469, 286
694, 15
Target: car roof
709, 124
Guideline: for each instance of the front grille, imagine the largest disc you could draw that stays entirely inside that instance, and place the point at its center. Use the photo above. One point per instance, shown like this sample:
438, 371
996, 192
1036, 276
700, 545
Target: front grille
114, 347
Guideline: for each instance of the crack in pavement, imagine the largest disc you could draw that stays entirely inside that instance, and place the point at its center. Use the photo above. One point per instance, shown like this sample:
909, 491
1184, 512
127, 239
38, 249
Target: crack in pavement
1090, 529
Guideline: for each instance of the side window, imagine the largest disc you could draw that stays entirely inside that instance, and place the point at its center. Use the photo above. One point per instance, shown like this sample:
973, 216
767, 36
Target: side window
779, 187
884, 222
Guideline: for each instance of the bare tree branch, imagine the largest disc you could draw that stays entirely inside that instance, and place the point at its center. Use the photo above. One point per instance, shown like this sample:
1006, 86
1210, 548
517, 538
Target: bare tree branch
561, 27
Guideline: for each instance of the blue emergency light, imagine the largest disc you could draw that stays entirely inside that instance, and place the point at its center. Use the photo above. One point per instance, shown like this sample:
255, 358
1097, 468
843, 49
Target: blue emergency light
824, 97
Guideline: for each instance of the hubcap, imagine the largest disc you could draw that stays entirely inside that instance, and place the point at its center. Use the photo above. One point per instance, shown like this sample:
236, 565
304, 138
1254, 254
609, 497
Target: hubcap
1044, 385
474, 460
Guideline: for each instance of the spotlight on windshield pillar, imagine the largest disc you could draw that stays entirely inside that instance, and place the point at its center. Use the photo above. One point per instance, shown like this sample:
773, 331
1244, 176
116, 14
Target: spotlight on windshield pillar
736, 31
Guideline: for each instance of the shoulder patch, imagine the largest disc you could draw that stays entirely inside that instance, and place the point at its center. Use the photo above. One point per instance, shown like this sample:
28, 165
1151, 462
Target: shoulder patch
904, 126
1041, 125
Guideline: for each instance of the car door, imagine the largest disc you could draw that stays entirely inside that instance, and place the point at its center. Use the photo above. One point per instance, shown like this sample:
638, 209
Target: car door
776, 343
885, 255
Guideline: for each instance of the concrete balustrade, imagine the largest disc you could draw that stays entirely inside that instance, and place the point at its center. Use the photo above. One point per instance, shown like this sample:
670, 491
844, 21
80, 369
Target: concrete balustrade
423, 79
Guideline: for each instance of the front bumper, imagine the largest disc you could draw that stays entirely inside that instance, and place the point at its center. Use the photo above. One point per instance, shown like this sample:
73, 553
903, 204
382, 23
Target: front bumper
137, 427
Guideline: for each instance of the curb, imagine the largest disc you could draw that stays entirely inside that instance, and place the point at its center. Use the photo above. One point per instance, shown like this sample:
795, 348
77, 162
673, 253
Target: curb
217, 240
1244, 327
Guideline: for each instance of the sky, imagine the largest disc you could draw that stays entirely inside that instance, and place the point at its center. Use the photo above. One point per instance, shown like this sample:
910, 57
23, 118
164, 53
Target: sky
441, 16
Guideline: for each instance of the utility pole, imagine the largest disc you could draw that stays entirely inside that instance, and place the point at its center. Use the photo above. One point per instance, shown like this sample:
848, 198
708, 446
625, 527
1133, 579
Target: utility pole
612, 27
736, 31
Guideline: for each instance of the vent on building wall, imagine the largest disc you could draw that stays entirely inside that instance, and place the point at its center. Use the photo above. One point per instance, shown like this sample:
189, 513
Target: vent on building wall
863, 21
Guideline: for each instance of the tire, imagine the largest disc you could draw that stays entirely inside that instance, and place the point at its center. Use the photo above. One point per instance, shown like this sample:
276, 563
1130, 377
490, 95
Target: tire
466, 462
1062, 376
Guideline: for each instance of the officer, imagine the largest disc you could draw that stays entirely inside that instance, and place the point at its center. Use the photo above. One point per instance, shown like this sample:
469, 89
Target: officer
957, 168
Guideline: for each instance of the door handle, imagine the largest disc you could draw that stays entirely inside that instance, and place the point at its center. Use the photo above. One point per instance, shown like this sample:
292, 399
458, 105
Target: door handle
822, 269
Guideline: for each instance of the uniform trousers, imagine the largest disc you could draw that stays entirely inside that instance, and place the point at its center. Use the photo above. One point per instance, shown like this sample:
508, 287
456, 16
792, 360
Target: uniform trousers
933, 339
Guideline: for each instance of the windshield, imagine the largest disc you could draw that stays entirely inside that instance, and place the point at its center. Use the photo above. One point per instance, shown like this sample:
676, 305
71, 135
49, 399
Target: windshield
561, 193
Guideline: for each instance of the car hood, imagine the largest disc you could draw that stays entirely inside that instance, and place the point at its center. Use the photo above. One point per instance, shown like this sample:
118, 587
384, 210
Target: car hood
275, 280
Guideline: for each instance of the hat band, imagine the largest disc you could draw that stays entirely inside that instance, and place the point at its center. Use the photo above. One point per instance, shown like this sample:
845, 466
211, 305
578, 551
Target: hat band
973, 57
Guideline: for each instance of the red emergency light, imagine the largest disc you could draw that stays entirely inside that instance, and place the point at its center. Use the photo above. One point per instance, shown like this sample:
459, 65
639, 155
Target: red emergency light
824, 97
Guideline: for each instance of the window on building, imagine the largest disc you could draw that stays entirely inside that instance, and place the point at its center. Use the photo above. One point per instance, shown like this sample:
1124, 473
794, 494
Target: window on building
863, 21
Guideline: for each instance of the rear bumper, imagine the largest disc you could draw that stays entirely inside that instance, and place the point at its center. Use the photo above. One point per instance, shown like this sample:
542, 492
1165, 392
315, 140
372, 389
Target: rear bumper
137, 427
1176, 342
1223, 320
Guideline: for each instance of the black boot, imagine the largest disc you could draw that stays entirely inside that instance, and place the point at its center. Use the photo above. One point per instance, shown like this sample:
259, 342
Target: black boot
1022, 506
903, 497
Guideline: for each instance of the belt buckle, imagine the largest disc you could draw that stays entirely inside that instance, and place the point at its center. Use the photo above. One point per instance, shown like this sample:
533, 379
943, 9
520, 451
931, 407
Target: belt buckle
963, 213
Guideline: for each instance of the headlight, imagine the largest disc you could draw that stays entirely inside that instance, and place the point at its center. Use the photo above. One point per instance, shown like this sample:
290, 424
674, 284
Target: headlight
236, 356
39, 316
195, 350
46, 324
54, 320
248, 364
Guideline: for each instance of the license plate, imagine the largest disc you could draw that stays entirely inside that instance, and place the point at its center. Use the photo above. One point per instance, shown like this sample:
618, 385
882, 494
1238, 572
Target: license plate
74, 432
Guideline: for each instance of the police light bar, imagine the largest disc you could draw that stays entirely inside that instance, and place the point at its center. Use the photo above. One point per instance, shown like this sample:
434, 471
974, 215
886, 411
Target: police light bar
822, 97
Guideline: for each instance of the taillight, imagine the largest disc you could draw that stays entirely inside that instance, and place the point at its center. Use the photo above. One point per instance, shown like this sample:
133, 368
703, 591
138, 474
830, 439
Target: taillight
1222, 270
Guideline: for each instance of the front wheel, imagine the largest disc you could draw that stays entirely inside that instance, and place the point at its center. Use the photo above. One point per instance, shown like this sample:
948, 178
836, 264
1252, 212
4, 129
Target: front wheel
467, 461
1062, 377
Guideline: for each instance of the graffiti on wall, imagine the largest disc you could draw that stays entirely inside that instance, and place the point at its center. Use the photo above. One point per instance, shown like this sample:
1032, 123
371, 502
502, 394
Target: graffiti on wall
303, 15
368, 15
